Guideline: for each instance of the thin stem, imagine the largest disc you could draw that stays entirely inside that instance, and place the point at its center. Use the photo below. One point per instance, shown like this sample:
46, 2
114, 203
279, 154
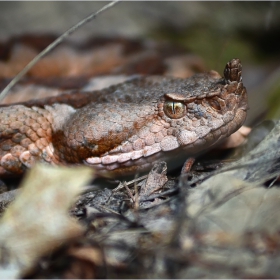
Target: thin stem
52, 46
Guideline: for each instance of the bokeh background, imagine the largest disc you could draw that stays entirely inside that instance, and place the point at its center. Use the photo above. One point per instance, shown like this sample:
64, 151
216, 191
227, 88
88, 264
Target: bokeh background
216, 31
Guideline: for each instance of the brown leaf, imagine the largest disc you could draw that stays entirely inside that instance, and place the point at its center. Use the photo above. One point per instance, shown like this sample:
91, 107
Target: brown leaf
37, 222
236, 139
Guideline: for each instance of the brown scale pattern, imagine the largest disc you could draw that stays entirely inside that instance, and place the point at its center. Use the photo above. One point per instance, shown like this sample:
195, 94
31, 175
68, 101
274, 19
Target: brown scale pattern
24, 135
126, 127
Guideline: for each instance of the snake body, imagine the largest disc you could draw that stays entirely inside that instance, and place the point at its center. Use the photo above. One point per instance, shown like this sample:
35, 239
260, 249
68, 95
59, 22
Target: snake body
126, 127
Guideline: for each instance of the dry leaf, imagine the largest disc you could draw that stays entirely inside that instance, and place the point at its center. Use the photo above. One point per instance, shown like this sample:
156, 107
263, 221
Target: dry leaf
236, 139
37, 222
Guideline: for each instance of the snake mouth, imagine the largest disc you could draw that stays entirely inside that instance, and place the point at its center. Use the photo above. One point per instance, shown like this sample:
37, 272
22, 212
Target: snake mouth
117, 159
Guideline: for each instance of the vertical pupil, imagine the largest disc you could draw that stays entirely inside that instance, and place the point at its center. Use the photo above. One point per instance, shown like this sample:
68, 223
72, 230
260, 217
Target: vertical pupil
173, 108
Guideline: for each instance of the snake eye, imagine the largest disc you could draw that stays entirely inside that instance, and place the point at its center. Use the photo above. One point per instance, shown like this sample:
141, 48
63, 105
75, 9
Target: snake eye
174, 110
215, 104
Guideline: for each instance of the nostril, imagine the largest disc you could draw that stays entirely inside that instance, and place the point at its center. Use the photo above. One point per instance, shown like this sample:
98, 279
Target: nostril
214, 103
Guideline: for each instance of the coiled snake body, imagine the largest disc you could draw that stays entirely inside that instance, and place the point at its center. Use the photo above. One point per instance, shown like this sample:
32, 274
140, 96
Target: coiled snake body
125, 127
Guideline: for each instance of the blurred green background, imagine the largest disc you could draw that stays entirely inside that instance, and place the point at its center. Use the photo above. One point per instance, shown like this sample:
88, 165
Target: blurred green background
216, 31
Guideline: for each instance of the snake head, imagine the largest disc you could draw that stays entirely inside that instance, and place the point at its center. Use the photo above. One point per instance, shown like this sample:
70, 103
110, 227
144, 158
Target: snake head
165, 118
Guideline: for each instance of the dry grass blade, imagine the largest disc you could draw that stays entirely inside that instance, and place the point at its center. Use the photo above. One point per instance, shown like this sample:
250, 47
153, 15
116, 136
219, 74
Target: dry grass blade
52, 46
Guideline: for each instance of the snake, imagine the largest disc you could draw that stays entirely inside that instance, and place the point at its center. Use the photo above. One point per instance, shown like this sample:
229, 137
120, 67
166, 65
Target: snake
126, 127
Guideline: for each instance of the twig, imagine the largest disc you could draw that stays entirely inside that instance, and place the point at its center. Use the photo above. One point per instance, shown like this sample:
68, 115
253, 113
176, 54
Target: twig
52, 46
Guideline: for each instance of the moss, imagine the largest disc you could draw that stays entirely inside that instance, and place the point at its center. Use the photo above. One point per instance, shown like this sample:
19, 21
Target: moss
274, 101
214, 46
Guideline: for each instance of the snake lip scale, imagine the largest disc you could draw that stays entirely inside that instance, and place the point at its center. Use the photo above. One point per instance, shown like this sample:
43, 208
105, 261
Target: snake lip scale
126, 127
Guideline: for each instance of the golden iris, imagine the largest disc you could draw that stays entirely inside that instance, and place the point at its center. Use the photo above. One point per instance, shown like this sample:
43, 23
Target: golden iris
174, 110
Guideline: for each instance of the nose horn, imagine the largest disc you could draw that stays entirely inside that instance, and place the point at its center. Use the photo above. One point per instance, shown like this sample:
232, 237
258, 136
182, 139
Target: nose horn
233, 70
